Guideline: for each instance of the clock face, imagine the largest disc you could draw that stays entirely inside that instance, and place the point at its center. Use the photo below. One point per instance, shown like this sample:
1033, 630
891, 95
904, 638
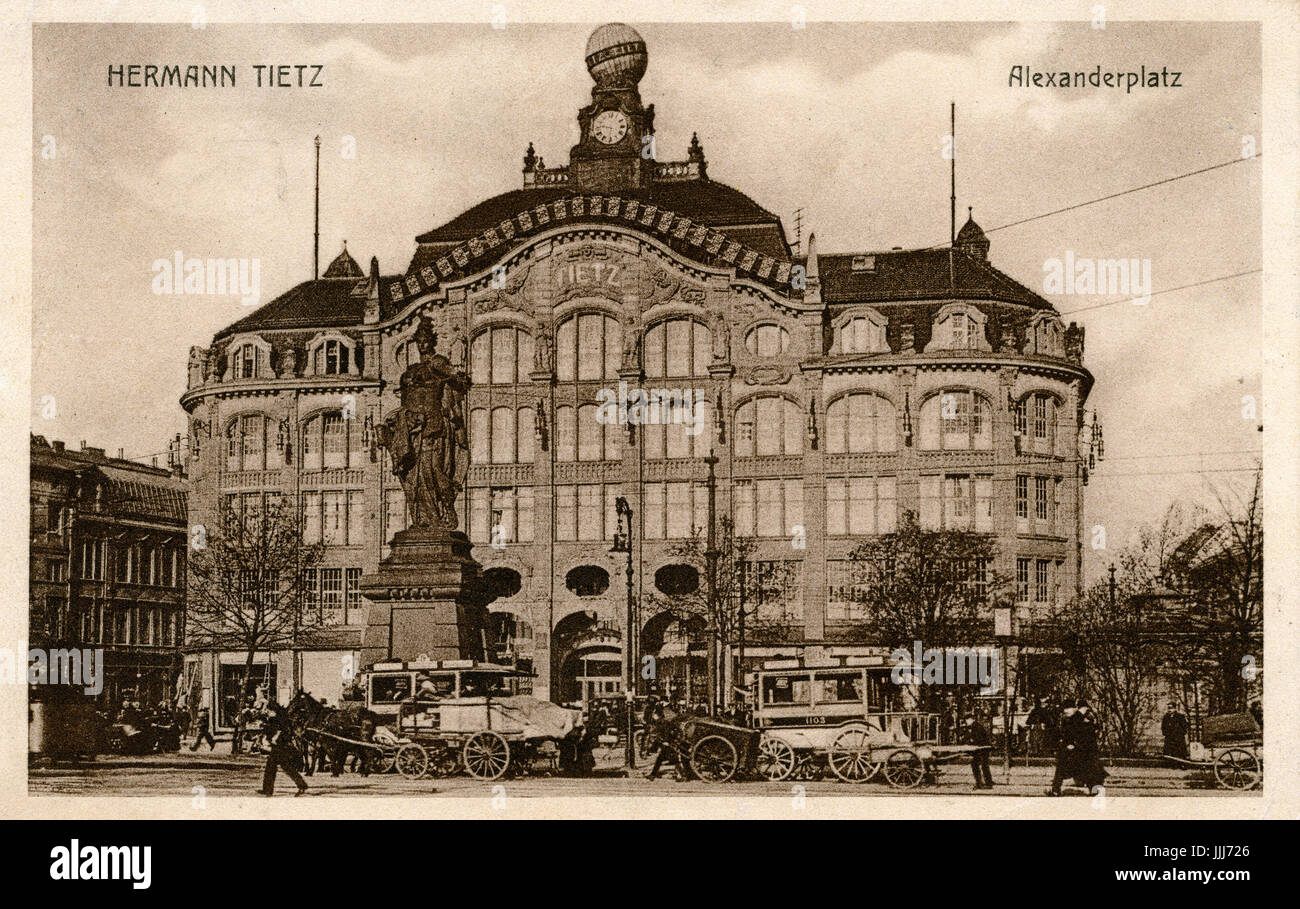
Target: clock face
609, 127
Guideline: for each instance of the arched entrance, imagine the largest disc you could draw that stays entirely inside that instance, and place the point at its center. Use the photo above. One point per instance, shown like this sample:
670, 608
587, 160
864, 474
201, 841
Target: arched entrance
677, 644
588, 659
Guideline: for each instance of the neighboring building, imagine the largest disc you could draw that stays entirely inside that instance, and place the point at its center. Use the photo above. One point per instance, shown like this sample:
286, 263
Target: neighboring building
838, 390
108, 565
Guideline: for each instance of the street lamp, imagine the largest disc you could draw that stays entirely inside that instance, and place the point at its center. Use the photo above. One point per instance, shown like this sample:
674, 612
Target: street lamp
623, 543
1002, 631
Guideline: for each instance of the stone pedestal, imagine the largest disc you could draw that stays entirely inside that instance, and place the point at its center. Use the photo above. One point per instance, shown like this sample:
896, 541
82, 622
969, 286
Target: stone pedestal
427, 599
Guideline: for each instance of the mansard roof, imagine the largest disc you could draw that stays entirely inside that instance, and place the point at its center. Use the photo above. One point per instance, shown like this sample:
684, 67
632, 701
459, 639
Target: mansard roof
919, 274
323, 303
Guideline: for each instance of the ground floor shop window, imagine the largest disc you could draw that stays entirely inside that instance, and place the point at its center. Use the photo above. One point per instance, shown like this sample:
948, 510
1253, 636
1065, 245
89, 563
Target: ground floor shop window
231, 687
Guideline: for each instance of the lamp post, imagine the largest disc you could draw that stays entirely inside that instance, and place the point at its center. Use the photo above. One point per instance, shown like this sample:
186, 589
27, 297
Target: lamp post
1002, 632
711, 580
623, 543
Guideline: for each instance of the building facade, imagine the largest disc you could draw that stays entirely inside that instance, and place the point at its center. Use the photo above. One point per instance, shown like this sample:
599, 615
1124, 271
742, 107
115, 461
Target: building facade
835, 390
108, 551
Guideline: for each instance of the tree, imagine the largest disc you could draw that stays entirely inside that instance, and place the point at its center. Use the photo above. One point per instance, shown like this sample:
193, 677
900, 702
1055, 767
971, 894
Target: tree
247, 587
932, 586
746, 590
1114, 658
1220, 568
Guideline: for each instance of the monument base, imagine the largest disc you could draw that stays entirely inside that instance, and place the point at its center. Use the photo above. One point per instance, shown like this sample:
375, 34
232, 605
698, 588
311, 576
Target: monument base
427, 600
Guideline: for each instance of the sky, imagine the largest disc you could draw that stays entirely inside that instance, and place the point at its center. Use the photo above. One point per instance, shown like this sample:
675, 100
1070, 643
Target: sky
846, 121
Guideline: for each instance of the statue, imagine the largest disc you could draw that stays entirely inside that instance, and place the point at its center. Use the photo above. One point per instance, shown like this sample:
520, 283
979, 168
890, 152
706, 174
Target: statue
426, 435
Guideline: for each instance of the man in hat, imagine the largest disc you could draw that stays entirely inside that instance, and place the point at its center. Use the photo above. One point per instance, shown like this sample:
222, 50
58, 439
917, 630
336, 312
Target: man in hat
1088, 770
974, 733
1066, 747
1174, 728
283, 755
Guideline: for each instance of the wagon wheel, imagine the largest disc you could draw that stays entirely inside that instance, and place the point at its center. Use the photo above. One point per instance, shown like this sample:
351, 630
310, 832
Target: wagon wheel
714, 759
1237, 768
850, 755
487, 755
903, 769
776, 758
387, 760
412, 761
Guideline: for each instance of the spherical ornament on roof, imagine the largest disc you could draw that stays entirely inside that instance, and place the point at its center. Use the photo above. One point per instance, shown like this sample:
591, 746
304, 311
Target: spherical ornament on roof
616, 55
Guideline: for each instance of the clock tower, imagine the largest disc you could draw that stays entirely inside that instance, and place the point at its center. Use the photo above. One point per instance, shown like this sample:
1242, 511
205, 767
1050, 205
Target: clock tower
616, 148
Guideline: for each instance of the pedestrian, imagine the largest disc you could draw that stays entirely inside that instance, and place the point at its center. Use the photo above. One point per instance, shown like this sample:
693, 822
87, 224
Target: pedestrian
203, 730
662, 737
241, 725
282, 755
1257, 711
1174, 728
974, 733
1090, 772
1065, 748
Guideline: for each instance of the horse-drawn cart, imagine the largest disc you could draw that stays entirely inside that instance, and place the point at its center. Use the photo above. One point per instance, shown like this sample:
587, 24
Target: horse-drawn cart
1232, 746
484, 736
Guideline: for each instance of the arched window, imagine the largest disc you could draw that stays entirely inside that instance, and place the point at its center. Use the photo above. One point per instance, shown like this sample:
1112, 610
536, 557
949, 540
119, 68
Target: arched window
768, 425
1045, 336
251, 443
588, 347
502, 355
331, 358
247, 362
405, 355
580, 436
587, 580
681, 432
861, 422
330, 440
767, 340
1036, 423
957, 420
678, 347
502, 435
862, 335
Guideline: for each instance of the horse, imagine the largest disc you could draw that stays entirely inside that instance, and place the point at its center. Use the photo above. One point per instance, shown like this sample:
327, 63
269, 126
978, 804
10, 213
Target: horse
321, 729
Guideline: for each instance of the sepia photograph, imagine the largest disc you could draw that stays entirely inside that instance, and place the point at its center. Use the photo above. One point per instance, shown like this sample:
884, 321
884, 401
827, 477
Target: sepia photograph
606, 411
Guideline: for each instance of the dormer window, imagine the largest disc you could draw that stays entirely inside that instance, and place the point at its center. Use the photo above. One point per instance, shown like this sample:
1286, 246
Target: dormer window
333, 356
958, 326
864, 263
332, 359
248, 361
862, 334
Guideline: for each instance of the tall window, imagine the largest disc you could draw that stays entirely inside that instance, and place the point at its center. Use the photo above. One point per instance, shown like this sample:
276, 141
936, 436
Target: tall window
501, 356
767, 341
686, 432
588, 347
501, 514
335, 517
768, 425
330, 440
502, 435
957, 420
861, 422
768, 508
862, 335
1042, 589
861, 505
847, 586
1022, 580
1036, 421
675, 511
578, 509
579, 436
678, 347
250, 444
957, 502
